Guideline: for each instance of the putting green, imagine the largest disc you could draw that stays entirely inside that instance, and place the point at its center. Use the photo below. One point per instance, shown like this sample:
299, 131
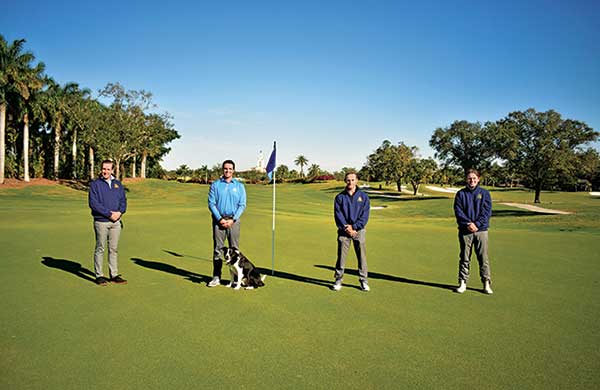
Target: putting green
166, 330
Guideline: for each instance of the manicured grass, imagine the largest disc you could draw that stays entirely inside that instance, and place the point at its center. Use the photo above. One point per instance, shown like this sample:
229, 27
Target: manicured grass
167, 330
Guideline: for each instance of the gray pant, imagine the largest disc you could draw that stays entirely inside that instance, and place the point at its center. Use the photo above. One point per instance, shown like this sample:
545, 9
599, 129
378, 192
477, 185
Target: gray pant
219, 235
360, 248
479, 241
112, 232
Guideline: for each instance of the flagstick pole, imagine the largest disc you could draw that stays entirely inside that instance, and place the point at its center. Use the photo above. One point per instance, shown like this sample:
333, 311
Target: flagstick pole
273, 236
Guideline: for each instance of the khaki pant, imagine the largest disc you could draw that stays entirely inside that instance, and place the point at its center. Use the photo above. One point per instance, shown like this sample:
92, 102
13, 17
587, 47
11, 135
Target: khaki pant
219, 236
110, 231
360, 248
468, 242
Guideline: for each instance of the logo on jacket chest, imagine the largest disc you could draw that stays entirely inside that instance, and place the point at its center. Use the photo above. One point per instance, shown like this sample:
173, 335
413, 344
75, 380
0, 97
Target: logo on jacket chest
360, 199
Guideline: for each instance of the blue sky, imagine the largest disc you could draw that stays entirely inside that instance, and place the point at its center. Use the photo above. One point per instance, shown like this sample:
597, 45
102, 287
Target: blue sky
327, 79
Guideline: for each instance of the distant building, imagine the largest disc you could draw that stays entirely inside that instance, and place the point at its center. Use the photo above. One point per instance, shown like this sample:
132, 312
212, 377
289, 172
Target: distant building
260, 164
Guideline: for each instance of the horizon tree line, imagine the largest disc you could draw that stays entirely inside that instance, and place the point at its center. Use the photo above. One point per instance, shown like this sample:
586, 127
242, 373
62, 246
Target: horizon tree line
62, 131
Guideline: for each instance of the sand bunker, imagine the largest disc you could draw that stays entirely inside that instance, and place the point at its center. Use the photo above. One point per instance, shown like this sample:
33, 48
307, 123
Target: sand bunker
535, 208
449, 190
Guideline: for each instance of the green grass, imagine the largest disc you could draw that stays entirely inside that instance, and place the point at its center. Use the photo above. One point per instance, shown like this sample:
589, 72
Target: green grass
167, 330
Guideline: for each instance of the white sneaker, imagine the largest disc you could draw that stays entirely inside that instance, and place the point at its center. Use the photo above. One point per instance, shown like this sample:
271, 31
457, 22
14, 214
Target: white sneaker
337, 286
487, 288
462, 288
364, 285
214, 282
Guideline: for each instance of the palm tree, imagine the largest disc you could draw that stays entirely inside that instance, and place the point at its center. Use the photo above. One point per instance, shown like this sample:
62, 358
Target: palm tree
18, 79
314, 170
61, 105
78, 101
301, 161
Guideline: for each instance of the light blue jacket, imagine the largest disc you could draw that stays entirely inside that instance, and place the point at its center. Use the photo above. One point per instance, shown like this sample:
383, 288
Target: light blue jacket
227, 199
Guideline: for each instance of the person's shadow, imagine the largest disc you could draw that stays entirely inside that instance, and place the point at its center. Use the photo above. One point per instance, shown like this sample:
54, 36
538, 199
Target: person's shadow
263, 271
392, 278
293, 277
70, 267
168, 268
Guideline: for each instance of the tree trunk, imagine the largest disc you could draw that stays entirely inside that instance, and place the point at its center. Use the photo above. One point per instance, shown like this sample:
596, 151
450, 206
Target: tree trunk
56, 150
415, 188
117, 168
133, 166
399, 185
74, 154
26, 148
91, 154
538, 190
143, 167
2, 140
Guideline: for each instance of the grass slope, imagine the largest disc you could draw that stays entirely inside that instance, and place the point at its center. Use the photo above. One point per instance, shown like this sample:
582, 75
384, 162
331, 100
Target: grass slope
166, 329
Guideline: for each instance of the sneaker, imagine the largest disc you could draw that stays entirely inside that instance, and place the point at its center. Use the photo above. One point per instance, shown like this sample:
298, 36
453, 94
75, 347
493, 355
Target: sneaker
487, 288
337, 286
216, 281
101, 281
462, 288
118, 280
364, 285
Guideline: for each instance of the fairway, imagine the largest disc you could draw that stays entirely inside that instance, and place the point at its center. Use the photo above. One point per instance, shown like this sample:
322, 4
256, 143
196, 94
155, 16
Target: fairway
166, 330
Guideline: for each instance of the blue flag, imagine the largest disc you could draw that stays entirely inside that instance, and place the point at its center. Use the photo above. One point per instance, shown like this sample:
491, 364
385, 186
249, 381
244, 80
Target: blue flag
272, 162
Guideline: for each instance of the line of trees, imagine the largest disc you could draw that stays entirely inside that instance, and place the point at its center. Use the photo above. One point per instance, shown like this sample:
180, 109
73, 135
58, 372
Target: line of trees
61, 131
540, 150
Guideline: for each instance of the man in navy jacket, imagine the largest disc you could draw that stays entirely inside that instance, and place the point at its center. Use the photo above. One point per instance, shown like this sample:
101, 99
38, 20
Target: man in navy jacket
108, 203
473, 209
351, 213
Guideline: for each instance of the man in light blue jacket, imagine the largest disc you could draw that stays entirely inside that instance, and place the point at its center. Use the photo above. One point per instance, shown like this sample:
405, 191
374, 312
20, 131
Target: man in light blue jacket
226, 202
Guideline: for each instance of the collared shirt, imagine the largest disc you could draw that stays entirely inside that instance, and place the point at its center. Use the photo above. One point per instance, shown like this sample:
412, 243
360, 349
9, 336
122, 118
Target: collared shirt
351, 209
227, 199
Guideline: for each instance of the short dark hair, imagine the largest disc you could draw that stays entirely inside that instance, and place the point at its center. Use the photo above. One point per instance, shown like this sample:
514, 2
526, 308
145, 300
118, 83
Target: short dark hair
228, 162
107, 161
474, 171
350, 173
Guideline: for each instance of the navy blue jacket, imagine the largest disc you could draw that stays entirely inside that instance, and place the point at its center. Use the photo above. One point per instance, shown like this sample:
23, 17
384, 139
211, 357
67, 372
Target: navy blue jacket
104, 199
351, 210
473, 206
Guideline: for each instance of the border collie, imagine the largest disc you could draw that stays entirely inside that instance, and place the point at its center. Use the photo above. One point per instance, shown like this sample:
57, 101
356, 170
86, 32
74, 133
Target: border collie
243, 272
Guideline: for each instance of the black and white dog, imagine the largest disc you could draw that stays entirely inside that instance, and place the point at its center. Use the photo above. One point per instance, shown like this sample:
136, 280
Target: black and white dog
243, 272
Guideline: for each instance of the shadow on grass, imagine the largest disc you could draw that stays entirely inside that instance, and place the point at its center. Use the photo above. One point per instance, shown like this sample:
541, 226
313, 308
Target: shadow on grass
518, 213
389, 196
79, 185
168, 268
199, 278
375, 275
294, 277
404, 198
176, 254
70, 267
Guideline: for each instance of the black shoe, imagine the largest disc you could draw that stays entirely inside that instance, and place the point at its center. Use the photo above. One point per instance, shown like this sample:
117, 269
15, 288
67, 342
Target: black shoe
101, 281
118, 280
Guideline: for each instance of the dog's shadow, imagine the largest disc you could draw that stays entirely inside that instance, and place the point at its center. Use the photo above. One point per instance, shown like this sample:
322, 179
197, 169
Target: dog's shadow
168, 268
69, 266
392, 278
